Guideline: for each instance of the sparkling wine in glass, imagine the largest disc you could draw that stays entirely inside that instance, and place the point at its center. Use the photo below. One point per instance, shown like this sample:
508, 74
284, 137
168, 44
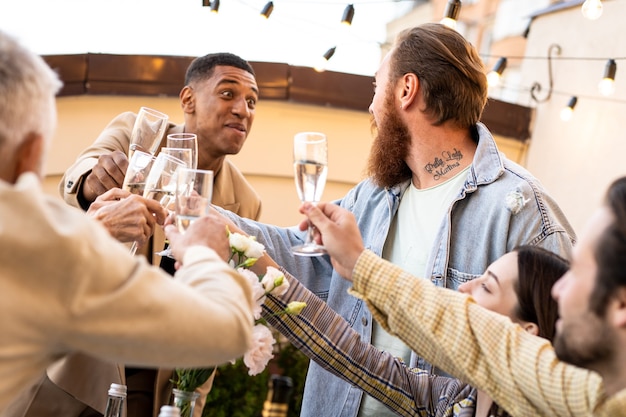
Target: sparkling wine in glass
310, 164
185, 140
166, 196
161, 182
139, 167
194, 189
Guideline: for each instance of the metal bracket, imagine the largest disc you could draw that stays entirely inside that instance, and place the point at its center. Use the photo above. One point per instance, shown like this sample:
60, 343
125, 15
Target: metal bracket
553, 49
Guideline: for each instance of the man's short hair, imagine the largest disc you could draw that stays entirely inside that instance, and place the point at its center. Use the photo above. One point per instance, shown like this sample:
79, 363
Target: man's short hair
202, 67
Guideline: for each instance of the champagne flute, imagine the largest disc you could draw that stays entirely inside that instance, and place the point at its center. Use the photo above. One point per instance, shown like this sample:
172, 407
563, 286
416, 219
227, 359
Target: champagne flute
184, 154
161, 181
148, 130
194, 189
137, 173
185, 140
310, 164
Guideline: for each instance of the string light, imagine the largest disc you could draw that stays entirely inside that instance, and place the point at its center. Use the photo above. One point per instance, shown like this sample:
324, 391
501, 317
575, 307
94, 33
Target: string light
592, 9
451, 13
321, 66
494, 76
348, 15
267, 10
566, 113
607, 84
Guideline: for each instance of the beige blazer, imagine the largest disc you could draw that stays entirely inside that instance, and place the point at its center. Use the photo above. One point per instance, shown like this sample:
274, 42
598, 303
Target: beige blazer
81, 292
80, 380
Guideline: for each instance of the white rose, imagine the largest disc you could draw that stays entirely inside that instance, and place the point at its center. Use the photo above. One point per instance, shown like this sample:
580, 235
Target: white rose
238, 242
275, 282
260, 353
258, 292
254, 249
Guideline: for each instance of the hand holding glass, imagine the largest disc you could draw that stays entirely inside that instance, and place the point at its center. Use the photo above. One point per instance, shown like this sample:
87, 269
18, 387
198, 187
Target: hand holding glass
310, 164
148, 130
137, 173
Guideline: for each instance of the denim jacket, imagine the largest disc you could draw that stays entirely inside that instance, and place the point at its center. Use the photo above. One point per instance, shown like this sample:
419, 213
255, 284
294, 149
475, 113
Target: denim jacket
500, 207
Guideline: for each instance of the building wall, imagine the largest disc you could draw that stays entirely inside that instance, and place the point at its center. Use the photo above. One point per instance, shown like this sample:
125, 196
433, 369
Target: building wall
266, 158
577, 160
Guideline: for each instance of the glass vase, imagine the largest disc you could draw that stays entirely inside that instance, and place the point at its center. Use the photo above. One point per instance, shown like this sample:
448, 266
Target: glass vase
185, 401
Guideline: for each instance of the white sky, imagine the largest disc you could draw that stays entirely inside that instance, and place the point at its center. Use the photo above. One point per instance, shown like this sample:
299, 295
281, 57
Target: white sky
298, 32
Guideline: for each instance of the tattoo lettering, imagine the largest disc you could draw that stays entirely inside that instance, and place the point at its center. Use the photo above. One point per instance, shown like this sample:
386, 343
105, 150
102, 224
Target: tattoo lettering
441, 166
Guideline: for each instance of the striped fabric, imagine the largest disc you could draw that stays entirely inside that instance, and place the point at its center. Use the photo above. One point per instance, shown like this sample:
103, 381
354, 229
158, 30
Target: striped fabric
328, 339
520, 371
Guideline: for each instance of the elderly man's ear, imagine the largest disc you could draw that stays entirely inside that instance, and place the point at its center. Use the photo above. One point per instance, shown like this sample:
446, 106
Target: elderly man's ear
29, 156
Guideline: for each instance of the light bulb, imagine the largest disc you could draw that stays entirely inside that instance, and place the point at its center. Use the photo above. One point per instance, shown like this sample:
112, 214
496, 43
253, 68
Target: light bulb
566, 113
449, 22
493, 79
322, 63
592, 9
494, 76
606, 86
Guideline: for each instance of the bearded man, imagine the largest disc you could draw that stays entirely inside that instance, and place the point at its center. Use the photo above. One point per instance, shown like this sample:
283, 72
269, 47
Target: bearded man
440, 201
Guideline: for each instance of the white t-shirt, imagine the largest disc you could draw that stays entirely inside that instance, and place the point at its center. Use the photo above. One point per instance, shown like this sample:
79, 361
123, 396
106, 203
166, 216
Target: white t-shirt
408, 245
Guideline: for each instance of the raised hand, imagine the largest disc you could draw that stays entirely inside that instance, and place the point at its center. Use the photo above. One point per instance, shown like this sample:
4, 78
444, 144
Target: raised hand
338, 231
208, 230
108, 173
126, 216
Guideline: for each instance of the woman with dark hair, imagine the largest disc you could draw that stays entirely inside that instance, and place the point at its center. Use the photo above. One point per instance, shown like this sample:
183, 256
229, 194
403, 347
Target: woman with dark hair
517, 285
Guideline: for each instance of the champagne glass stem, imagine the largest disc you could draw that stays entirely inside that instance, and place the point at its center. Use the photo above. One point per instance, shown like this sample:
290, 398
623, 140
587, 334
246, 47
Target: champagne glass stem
308, 239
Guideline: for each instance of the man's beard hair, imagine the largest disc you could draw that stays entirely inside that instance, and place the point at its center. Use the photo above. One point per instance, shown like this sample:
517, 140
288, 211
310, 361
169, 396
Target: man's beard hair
386, 165
597, 349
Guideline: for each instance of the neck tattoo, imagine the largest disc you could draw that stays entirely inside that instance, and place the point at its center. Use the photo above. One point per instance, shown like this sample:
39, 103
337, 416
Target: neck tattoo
441, 166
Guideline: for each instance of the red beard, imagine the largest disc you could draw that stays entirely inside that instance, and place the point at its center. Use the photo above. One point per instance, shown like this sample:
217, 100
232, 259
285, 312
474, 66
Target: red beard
386, 164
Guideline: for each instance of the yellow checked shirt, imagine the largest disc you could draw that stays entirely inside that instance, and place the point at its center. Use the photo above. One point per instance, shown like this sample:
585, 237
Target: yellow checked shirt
521, 372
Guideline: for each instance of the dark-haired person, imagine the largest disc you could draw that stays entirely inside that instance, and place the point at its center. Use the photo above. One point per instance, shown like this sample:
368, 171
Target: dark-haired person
218, 102
584, 374
516, 285
440, 200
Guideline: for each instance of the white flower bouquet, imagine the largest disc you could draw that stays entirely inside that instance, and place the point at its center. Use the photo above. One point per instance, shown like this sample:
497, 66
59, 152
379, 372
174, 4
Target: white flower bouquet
245, 251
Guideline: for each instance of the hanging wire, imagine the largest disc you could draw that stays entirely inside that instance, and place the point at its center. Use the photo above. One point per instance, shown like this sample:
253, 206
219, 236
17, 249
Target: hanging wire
555, 58
318, 2
524, 89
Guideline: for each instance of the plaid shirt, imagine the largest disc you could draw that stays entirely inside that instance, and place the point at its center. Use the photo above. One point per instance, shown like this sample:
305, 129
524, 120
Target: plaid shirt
325, 337
520, 371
